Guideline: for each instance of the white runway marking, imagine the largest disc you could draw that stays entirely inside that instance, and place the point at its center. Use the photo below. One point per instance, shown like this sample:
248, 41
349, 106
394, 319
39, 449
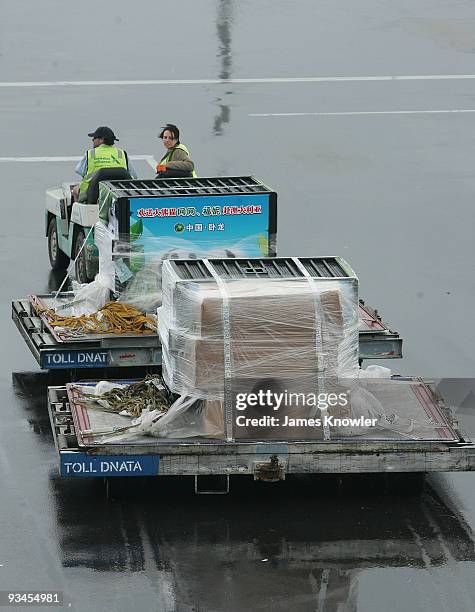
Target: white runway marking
398, 112
264, 80
151, 161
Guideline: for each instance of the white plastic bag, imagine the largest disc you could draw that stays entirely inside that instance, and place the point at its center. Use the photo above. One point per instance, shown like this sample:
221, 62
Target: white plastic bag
103, 239
104, 386
374, 371
90, 297
186, 418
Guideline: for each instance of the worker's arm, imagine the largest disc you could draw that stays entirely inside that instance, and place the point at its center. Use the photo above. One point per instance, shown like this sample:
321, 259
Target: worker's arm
174, 174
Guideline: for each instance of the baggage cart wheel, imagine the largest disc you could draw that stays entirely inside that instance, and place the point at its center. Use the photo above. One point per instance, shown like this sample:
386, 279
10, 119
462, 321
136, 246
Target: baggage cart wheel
80, 258
57, 259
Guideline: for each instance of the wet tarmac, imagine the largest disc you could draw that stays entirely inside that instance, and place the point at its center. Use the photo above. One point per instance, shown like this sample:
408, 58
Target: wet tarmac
388, 184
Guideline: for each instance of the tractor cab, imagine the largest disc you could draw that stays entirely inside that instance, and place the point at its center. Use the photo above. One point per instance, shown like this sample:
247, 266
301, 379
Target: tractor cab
69, 225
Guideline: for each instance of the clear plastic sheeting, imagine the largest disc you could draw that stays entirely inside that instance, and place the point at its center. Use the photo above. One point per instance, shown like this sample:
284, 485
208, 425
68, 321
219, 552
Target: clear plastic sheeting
103, 239
186, 418
374, 371
372, 410
255, 329
91, 297
403, 408
137, 260
107, 420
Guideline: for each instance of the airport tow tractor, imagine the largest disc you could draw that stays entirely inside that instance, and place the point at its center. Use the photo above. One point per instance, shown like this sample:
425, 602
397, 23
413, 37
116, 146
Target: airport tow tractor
240, 215
70, 225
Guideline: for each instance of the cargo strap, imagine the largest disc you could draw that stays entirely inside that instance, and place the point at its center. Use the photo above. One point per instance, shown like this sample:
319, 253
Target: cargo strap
228, 400
318, 337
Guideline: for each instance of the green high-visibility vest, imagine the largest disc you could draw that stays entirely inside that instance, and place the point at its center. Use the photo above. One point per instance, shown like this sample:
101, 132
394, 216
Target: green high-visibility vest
169, 155
103, 156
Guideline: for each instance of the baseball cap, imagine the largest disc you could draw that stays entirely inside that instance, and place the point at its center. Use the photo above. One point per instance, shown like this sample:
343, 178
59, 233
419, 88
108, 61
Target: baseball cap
104, 132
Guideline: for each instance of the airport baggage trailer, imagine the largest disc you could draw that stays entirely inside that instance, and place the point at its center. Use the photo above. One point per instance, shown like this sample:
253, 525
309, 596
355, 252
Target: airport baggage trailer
52, 351
445, 447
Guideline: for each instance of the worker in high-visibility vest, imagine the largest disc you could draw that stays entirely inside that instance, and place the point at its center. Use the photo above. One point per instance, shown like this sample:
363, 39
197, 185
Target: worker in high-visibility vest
104, 154
176, 162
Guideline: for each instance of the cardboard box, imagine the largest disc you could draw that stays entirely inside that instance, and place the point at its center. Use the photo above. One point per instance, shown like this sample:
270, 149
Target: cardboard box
199, 365
255, 307
271, 333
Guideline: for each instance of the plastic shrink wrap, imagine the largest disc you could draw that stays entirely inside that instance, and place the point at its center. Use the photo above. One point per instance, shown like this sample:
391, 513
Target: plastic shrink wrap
226, 335
267, 327
137, 260
143, 222
91, 297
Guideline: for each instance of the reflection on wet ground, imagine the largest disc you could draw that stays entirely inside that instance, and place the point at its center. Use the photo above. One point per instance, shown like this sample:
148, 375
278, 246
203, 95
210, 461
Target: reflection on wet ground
300, 544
